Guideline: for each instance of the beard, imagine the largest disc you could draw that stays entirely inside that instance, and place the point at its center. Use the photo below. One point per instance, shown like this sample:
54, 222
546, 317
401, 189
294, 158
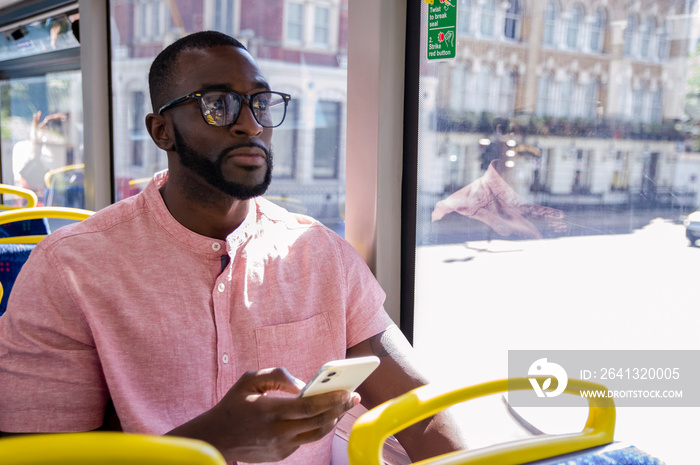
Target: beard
211, 171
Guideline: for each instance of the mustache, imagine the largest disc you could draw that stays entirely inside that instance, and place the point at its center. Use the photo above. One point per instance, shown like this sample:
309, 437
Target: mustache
224, 153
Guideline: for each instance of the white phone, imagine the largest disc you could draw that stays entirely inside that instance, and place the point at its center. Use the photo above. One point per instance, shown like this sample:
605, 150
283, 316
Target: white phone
340, 375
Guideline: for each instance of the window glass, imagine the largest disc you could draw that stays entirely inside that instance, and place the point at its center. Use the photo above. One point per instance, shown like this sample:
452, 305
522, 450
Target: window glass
488, 18
574, 27
295, 22
512, 24
42, 138
551, 14
562, 224
663, 44
597, 31
41, 114
37, 37
465, 17
321, 25
309, 149
327, 139
645, 42
630, 35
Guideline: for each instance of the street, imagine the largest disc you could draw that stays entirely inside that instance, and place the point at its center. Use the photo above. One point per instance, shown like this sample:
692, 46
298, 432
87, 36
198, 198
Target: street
476, 300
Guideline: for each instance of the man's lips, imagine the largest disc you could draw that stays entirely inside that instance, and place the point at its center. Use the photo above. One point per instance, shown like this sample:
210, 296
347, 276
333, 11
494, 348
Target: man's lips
248, 156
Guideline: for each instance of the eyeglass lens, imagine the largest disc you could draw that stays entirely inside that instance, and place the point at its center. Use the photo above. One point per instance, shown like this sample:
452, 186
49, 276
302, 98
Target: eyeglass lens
221, 108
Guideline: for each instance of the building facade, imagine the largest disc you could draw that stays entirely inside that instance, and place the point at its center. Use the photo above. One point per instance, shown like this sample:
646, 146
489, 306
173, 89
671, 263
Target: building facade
585, 100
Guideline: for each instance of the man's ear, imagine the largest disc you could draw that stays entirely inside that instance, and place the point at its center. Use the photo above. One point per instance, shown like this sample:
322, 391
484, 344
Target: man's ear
160, 131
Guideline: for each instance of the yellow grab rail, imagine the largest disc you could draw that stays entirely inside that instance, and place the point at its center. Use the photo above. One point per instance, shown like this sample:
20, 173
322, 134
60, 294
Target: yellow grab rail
27, 194
106, 448
21, 214
51, 173
374, 427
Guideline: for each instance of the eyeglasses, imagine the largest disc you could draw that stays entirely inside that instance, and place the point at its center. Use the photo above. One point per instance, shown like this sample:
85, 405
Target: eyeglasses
221, 107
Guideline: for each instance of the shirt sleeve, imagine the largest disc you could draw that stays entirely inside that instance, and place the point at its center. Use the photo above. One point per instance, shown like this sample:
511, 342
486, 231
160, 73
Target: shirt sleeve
365, 315
50, 371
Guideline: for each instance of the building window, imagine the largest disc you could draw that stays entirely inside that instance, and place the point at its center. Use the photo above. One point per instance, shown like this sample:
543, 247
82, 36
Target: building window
657, 106
663, 44
506, 97
157, 26
573, 29
321, 25
488, 18
327, 140
645, 39
566, 100
482, 97
622, 101
295, 22
598, 31
630, 35
136, 131
464, 17
224, 13
143, 20
591, 100
544, 96
286, 138
460, 97
310, 25
148, 20
551, 14
638, 104
512, 28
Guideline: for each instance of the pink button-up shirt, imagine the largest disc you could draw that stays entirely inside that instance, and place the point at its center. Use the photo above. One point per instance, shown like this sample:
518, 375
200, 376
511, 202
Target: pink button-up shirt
131, 305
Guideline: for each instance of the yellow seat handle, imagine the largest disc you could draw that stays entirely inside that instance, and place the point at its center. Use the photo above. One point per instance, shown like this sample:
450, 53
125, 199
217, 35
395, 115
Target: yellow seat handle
107, 448
374, 427
21, 214
26, 194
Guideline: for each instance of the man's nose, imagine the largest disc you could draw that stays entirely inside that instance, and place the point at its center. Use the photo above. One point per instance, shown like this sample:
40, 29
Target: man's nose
246, 123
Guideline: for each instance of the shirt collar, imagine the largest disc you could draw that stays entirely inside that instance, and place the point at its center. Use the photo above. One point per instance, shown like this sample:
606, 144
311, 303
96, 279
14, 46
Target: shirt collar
190, 238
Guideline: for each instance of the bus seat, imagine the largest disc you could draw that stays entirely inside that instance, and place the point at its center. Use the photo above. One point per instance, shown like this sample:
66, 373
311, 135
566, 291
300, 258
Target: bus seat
15, 250
594, 442
36, 226
106, 448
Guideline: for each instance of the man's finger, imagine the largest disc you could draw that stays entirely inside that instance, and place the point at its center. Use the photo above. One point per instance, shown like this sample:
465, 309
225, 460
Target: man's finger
332, 403
270, 379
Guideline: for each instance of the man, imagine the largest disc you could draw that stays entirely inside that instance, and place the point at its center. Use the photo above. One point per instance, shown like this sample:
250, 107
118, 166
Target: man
176, 305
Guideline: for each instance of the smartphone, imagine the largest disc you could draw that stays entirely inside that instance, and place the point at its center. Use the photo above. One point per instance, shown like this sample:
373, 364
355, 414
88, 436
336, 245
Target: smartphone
340, 375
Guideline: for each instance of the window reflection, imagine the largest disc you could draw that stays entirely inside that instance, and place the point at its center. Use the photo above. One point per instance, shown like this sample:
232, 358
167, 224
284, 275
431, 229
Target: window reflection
56, 33
544, 200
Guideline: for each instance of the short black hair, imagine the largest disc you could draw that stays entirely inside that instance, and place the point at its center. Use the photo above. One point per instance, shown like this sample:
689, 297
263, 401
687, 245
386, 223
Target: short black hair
163, 67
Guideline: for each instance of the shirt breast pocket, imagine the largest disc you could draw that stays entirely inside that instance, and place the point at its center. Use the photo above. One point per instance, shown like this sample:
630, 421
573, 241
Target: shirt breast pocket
301, 346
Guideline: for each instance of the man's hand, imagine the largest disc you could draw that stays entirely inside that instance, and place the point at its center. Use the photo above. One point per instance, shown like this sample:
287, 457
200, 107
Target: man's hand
248, 425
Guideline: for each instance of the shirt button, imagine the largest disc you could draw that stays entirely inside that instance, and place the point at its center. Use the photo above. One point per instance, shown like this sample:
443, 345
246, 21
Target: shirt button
221, 287
216, 246
225, 358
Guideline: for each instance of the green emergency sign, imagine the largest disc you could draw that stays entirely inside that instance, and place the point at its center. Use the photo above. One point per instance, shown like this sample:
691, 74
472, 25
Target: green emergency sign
442, 29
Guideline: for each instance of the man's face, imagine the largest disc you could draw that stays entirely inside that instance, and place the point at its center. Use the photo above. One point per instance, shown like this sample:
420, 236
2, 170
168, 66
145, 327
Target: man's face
237, 159
212, 173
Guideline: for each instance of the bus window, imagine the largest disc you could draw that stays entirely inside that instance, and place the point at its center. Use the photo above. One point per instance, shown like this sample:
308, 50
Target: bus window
41, 109
302, 52
554, 176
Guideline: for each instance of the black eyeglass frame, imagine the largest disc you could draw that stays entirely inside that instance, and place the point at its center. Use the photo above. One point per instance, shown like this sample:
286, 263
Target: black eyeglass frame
198, 94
